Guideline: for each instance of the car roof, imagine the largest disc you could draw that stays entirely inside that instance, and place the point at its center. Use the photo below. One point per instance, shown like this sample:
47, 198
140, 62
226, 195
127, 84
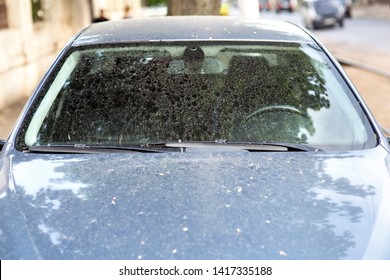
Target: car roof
191, 28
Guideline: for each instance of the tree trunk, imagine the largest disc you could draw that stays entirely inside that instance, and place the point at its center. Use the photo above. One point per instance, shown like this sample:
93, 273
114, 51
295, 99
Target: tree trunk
193, 7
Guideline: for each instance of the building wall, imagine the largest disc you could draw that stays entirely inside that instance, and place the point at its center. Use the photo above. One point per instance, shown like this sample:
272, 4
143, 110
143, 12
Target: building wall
28, 48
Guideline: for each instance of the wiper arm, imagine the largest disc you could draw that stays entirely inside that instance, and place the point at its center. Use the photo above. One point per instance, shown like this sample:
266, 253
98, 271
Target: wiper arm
86, 149
248, 146
225, 146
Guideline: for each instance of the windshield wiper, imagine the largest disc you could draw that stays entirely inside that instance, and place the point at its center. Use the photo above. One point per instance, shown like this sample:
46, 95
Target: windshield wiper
181, 146
248, 146
88, 149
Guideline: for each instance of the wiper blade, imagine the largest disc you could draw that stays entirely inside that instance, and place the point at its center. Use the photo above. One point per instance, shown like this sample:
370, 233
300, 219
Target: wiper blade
87, 149
225, 146
248, 146
218, 145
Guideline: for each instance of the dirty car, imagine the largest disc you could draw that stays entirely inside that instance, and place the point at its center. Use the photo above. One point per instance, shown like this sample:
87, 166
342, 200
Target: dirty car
195, 138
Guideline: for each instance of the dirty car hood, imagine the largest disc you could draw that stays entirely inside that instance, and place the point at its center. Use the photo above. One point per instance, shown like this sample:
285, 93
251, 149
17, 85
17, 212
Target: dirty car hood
236, 205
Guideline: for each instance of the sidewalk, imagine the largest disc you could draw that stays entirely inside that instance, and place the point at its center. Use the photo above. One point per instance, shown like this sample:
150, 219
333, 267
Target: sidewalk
377, 11
8, 117
359, 54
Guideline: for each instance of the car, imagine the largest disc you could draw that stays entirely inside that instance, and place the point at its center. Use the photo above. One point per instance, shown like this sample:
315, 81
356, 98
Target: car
284, 5
264, 5
195, 137
322, 13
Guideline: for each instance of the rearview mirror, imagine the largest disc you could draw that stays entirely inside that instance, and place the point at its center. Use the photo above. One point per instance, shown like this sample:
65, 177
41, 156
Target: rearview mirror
207, 66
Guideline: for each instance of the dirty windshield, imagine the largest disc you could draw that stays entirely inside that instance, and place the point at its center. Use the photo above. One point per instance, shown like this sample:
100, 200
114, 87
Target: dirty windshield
197, 92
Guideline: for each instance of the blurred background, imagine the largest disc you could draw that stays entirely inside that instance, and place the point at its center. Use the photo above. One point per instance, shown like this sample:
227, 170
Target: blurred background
32, 32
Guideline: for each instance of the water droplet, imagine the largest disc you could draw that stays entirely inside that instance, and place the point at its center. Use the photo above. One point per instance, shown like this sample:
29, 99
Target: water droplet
267, 221
185, 229
238, 189
113, 201
139, 257
238, 230
228, 205
174, 251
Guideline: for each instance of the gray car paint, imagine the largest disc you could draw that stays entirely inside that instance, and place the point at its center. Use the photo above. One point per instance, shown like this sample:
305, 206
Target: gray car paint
191, 28
223, 205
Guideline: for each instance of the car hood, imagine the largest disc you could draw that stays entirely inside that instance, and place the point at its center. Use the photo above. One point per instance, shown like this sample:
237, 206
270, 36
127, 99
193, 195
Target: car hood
233, 205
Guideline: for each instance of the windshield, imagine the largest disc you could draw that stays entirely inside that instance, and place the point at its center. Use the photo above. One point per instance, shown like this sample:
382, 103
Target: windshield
176, 92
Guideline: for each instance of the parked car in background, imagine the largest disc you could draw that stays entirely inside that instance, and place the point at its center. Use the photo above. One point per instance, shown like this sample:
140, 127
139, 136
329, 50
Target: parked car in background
195, 138
322, 13
264, 5
284, 5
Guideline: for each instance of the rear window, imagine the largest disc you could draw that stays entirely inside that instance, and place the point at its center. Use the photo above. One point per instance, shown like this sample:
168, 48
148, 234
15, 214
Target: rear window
326, 6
